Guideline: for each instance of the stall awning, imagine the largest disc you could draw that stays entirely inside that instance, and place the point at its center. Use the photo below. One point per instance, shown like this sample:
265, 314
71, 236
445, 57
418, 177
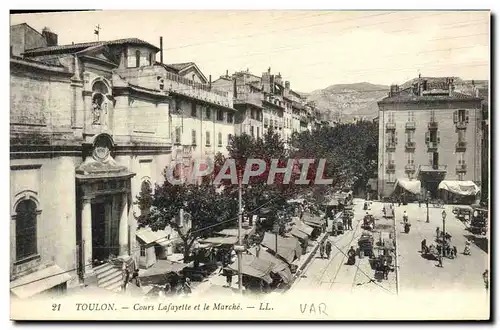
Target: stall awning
148, 236
464, 188
39, 281
412, 186
227, 240
280, 267
304, 228
255, 267
313, 221
298, 233
161, 271
234, 232
288, 248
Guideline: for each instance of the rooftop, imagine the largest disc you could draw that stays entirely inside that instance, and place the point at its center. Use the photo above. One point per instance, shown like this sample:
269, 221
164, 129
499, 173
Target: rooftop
412, 98
73, 48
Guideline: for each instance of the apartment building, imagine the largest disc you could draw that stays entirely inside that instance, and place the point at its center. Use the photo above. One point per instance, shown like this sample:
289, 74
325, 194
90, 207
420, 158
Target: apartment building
430, 141
266, 101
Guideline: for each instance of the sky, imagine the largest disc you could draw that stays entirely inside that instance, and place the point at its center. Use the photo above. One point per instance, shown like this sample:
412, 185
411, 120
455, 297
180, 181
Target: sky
311, 49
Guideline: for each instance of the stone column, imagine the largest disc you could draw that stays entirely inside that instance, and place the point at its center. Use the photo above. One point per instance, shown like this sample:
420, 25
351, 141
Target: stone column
87, 235
123, 228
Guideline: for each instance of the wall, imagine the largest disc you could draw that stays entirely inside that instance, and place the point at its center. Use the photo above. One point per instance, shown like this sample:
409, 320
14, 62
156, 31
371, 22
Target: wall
447, 147
51, 182
23, 37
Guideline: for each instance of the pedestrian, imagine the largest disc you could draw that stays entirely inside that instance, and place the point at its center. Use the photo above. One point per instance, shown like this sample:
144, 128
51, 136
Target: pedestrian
437, 232
186, 288
349, 223
125, 276
328, 249
228, 274
455, 251
423, 246
467, 248
448, 250
440, 259
322, 250
419, 202
167, 289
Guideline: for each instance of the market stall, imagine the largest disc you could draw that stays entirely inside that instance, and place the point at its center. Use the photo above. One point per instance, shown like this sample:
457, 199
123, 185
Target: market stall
162, 272
280, 267
288, 248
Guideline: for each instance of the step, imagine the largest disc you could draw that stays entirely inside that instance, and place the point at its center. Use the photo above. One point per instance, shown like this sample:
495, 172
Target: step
116, 287
107, 272
102, 268
111, 279
109, 276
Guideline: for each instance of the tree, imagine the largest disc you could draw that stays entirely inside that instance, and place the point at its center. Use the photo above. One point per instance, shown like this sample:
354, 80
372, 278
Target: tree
209, 211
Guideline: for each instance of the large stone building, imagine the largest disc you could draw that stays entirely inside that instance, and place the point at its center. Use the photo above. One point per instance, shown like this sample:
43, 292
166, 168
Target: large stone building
430, 141
91, 125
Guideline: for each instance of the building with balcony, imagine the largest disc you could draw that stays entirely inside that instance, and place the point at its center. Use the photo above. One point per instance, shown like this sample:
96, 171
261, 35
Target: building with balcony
440, 133
266, 101
91, 124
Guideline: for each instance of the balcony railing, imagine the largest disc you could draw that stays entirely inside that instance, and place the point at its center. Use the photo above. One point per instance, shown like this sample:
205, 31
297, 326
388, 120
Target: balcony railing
391, 145
197, 85
390, 167
410, 145
461, 125
432, 168
410, 168
410, 125
461, 146
433, 125
432, 146
390, 126
461, 168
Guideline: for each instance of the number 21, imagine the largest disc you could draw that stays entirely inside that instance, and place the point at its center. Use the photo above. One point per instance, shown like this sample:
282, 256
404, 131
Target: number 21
56, 307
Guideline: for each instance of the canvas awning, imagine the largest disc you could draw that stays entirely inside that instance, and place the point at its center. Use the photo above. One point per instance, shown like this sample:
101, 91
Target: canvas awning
222, 240
464, 188
161, 271
234, 232
412, 186
313, 221
39, 281
299, 234
288, 248
304, 228
280, 267
148, 236
255, 267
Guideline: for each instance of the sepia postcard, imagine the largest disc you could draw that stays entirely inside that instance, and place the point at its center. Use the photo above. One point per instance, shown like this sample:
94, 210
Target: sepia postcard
250, 165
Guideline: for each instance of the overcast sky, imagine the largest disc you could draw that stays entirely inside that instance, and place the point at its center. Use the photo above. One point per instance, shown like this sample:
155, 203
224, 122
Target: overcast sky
311, 49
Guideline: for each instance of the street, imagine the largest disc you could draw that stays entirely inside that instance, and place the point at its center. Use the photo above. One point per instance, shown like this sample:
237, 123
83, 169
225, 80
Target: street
415, 273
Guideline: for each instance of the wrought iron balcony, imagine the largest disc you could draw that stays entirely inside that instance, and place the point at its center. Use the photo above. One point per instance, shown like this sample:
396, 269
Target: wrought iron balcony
461, 146
432, 146
390, 126
391, 145
410, 145
410, 168
461, 168
433, 125
410, 125
461, 125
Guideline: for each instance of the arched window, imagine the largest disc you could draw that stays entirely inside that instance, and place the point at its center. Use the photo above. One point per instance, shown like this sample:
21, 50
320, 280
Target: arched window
146, 197
137, 58
26, 242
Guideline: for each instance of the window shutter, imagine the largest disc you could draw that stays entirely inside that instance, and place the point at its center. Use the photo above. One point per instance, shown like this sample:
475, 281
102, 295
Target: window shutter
455, 116
467, 116
438, 140
427, 138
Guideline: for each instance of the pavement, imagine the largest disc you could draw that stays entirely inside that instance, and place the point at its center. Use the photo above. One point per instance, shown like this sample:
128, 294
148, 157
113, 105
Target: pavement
463, 274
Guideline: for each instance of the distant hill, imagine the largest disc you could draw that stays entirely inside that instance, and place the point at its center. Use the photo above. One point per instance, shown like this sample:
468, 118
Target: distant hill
348, 100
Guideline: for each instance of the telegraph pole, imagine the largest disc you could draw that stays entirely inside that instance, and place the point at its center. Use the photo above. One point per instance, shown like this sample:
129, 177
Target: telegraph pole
396, 266
240, 243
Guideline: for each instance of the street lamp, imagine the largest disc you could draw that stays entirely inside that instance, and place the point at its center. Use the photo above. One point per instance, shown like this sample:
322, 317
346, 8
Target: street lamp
443, 214
427, 204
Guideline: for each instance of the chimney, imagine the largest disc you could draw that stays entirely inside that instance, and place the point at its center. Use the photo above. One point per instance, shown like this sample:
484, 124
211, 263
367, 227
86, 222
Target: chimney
269, 70
161, 50
450, 86
210, 81
227, 73
287, 85
50, 37
394, 90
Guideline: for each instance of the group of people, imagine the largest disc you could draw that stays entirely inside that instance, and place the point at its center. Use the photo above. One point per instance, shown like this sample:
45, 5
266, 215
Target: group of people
181, 287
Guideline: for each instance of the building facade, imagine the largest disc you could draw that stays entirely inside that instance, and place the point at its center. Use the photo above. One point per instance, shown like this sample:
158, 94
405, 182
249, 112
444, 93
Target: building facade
90, 125
266, 101
429, 135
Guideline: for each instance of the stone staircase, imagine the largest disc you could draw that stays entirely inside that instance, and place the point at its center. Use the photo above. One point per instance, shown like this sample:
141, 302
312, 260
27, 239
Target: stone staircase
109, 277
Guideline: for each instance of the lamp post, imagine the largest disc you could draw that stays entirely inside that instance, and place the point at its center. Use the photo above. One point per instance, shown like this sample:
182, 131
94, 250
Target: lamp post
427, 204
443, 214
